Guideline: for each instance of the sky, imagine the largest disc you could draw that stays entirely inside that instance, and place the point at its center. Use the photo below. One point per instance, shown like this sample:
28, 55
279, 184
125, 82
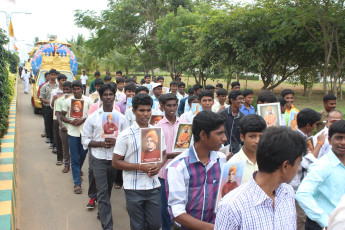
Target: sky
47, 17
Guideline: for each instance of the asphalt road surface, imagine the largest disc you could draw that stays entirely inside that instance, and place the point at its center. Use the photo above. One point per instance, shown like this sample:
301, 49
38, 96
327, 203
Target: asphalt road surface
45, 198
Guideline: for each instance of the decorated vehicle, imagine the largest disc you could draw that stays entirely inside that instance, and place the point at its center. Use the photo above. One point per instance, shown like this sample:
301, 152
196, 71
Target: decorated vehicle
51, 56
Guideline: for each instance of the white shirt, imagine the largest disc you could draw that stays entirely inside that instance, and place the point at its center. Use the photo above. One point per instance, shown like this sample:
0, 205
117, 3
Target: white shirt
157, 112
83, 79
26, 76
130, 117
188, 116
326, 147
92, 132
216, 106
128, 145
75, 131
249, 167
180, 96
52, 94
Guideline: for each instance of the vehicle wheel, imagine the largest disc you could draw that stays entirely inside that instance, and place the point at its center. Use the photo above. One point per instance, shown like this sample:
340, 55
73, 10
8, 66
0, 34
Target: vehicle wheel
36, 110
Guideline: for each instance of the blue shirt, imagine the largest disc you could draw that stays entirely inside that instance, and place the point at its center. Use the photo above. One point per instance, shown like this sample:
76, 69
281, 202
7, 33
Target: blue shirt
246, 111
321, 190
155, 102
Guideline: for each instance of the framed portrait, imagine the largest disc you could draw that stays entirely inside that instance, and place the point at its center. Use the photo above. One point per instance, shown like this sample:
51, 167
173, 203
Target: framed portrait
196, 108
165, 90
293, 121
155, 119
230, 178
59, 94
183, 137
110, 125
77, 108
129, 103
270, 113
94, 96
151, 145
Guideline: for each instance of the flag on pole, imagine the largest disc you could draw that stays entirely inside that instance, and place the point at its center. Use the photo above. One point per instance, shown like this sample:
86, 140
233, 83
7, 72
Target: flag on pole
15, 47
10, 29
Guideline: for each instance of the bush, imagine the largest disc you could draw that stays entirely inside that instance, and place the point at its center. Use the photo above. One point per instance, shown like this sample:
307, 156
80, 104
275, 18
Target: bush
6, 86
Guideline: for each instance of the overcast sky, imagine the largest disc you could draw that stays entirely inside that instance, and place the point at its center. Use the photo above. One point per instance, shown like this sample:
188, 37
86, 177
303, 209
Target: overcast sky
47, 17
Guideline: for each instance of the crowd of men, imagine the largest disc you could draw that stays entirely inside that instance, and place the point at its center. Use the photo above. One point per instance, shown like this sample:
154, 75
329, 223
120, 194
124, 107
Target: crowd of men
292, 179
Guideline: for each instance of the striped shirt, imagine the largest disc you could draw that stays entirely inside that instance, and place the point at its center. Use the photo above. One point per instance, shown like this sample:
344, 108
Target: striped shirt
192, 186
248, 207
128, 144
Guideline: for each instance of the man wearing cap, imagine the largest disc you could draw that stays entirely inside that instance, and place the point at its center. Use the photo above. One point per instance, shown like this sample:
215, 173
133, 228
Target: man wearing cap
157, 91
45, 95
83, 79
92, 85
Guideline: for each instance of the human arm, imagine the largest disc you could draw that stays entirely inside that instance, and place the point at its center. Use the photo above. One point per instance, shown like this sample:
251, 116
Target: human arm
307, 188
320, 141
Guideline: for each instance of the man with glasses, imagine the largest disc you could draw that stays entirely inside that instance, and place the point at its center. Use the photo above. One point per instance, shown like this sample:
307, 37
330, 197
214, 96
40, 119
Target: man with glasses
233, 117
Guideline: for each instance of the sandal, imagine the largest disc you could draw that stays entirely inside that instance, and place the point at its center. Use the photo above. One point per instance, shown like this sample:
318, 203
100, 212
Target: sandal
77, 189
81, 173
65, 170
116, 186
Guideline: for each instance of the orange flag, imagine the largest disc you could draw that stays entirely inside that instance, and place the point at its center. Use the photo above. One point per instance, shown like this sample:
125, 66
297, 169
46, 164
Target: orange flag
10, 29
15, 47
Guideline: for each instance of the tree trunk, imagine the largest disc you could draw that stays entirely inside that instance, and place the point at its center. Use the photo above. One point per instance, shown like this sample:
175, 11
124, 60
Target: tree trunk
171, 70
304, 89
141, 59
246, 81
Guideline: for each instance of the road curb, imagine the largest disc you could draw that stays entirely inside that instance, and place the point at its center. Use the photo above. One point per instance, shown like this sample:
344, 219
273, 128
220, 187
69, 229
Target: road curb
8, 173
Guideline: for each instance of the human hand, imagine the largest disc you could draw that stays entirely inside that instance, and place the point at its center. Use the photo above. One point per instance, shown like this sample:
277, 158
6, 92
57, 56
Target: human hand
109, 142
63, 129
321, 138
154, 169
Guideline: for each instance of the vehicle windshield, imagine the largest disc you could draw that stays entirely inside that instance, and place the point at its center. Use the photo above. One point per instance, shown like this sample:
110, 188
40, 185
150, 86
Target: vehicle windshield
41, 79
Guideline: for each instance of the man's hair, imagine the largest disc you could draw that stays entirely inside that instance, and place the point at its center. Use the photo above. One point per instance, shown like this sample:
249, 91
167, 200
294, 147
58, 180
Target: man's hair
206, 93
129, 80
61, 76
83, 71
234, 94
169, 97
247, 92
77, 83
266, 96
279, 144
252, 123
141, 88
181, 84
105, 87
147, 76
192, 98
196, 87
53, 71
337, 127
97, 73
220, 85
282, 101
131, 87
307, 116
107, 78
161, 98
119, 80
235, 83
202, 122
173, 83
287, 91
119, 72
222, 92
113, 84
191, 90
209, 87
46, 74
160, 78
67, 84
142, 81
329, 97
141, 99
99, 81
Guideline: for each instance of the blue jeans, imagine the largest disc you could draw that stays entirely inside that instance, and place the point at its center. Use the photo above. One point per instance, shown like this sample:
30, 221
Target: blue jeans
78, 155
166, 219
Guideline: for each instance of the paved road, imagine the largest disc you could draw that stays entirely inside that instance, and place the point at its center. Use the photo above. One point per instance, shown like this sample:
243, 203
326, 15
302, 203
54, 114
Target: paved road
45, 198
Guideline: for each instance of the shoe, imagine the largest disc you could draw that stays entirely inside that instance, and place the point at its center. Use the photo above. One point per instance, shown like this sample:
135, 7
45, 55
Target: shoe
98, 217
77, 189
81, 173
54, 150
58, 163
65, 169
43, 135
91, 203
47, 140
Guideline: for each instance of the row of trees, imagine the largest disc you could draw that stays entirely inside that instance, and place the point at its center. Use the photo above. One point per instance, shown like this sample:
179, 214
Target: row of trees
279, 40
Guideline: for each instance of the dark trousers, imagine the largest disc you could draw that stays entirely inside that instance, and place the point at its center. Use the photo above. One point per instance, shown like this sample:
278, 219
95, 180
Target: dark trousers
44, 119
118, 177
65, 148
92, 192
311, 225
166, 219
49, 123
144, 209
84, 89
78, 155
104, 178
58, 141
